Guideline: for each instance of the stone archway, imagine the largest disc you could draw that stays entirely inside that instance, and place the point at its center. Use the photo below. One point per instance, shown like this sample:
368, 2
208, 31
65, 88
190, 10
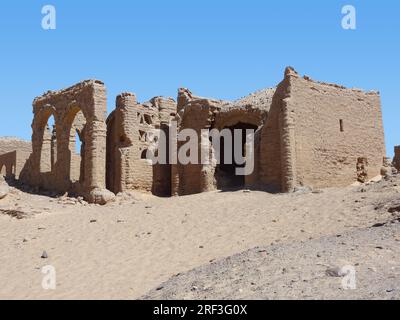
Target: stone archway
89, 98
48, 144
77, 146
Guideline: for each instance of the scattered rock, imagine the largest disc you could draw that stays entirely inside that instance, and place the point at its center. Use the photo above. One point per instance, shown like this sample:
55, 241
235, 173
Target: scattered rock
394, 208
378, 225
100, 196
302, 190
336, 272
376, 179
317, 191
14, 213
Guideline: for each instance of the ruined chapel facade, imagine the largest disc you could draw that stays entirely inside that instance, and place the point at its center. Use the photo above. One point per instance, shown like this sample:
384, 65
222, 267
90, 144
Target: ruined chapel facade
307, 134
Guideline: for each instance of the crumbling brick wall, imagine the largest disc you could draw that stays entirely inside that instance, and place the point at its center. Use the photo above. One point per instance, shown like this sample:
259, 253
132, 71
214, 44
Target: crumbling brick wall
396, 160
11, 144
273, 172
167, 108
13, 155
333, 128
191, 178
12, 163
324, 130
316, 132
132, 132
199, 114
8, 164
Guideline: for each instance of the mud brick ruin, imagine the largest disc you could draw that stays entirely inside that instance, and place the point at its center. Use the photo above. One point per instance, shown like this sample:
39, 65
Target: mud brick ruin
396, 160
307, 134
53, 164
13, 155
130, 131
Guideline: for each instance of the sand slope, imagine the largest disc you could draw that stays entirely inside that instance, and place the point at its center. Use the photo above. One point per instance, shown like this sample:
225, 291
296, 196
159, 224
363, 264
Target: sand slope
299, 270
125, 249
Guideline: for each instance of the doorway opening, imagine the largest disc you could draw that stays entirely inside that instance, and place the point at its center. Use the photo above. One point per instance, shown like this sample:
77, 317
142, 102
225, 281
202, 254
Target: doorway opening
226, 176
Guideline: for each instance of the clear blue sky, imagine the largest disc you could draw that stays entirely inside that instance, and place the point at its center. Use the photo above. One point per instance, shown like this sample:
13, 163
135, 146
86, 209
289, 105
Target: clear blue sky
224, 49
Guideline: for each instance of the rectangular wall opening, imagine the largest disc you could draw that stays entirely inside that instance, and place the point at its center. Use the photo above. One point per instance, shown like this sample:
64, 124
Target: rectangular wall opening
341, 125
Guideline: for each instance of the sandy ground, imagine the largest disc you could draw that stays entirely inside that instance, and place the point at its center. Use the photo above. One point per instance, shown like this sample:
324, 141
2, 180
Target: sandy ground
125, 249
361, 264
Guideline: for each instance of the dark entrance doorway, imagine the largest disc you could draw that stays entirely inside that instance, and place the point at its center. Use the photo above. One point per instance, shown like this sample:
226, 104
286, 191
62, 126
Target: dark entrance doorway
226, 176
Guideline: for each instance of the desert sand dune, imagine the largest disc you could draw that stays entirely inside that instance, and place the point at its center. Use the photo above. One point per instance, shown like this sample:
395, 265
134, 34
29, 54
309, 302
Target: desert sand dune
126, 248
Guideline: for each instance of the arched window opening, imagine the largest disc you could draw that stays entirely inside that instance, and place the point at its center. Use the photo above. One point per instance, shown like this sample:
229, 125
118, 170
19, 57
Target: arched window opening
77, 147
49, 145
148, 119
143, 156
78, 143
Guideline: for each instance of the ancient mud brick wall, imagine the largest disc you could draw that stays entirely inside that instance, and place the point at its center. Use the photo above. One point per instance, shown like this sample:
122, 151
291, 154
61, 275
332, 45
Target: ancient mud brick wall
167, 109
13, 155
79, 109
328, 128
132, 132
8, 164
121, 137
191, 177
194, 113
271, 174
12, 163
199, 114
396, 160
362, 170
316, 132
10, 144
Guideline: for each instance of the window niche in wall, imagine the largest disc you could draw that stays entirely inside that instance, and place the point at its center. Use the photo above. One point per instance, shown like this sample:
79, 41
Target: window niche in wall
341, 124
